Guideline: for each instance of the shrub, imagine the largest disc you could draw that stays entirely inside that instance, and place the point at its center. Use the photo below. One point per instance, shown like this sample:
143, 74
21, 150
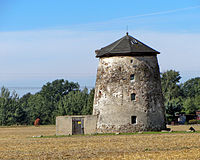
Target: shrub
194, 121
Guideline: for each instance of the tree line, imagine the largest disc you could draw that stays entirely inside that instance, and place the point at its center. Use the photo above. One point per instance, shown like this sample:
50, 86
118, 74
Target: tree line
62, 97
180, 98
57, 98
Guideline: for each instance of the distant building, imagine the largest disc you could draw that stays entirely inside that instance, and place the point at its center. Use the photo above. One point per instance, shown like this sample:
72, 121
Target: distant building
181, 119
128, 95
198, 115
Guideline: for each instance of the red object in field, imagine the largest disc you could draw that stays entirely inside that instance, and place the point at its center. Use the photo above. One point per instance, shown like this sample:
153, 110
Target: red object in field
37, 122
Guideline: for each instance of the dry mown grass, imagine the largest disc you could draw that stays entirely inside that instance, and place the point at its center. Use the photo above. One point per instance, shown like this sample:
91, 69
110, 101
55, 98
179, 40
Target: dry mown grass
17, 143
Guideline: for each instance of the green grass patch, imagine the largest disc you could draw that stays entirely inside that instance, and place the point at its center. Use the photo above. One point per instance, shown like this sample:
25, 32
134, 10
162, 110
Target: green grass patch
150, 132
114, 134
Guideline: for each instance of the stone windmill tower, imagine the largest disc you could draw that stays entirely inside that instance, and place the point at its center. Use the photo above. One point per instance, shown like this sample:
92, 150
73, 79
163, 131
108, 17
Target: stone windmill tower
128, 95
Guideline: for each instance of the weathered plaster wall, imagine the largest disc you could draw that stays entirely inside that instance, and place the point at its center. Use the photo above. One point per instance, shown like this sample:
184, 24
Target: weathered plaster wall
112, 102
90, 123
63, 125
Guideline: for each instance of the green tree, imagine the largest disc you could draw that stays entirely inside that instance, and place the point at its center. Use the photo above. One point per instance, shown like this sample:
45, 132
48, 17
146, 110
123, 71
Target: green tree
8, 106
37, 109
197, 102
172, 92
57, 89
20, 115
77, 103
191, 88
23, 112
170, 84
52, 93
87, 109
173, 106
191, 94
74, 102
189, 106
59, 97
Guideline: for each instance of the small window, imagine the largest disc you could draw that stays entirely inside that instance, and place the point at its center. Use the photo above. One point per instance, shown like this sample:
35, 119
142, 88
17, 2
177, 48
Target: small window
133, 119
132, 77
133, 97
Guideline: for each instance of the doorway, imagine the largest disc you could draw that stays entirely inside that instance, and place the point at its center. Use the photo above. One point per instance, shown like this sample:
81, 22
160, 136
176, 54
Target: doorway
77, 125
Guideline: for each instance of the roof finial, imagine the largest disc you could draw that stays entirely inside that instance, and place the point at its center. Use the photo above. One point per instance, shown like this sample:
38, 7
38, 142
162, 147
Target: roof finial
127, 30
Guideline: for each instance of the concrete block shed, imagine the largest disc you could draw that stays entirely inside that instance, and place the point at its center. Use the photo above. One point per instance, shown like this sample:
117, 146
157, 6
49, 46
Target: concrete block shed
72, 125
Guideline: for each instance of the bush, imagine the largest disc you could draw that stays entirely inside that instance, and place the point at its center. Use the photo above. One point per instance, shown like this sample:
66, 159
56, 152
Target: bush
194, 121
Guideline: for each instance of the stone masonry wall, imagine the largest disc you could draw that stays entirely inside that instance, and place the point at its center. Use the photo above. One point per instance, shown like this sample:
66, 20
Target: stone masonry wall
112, 103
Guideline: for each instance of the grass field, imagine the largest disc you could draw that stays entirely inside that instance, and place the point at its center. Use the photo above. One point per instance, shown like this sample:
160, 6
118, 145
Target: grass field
18, 143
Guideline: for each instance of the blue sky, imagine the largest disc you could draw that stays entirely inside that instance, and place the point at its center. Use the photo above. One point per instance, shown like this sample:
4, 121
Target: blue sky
41, 41
50, 14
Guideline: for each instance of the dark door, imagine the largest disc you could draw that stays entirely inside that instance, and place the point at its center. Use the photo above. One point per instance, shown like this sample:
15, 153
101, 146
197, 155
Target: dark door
77, 125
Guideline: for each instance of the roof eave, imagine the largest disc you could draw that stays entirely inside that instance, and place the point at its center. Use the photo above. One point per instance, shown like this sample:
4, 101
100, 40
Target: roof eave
127, 54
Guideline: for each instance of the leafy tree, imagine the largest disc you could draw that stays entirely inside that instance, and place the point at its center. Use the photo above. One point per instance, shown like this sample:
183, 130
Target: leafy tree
8, 105
59, 97
37, 109
189, 106
23, 112
197, 101
52, 93
87, 109
74, 102
20, 115
57, 89
173, 106
191, 95
170, 87
191, 88
172, 92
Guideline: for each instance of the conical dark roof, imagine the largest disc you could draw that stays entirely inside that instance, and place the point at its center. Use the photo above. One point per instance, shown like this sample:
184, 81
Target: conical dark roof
126, 46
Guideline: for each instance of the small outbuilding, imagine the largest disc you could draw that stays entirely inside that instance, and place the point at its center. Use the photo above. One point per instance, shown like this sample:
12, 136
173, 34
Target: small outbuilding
72, 125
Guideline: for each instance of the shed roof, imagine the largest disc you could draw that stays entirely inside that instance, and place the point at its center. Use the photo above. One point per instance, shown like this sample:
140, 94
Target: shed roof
126, 46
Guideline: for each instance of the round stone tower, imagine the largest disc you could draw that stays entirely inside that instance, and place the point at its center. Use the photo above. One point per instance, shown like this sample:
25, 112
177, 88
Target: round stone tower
128, 95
